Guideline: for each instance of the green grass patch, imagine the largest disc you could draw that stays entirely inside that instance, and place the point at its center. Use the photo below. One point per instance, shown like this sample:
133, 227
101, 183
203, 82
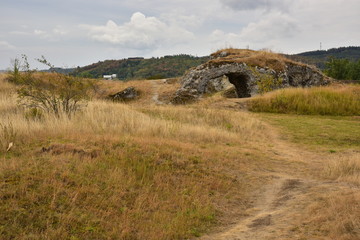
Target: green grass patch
332, 133
334, 100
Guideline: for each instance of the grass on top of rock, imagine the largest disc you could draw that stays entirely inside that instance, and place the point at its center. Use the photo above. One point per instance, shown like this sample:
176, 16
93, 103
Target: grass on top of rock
333, 100
262, 58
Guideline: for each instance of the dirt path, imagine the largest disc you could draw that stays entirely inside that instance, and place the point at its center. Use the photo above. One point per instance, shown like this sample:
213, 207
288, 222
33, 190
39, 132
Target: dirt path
278, 205
275, 211
155, 87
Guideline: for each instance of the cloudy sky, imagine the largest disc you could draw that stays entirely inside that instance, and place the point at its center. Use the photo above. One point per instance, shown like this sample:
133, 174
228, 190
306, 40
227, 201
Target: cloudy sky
73, 33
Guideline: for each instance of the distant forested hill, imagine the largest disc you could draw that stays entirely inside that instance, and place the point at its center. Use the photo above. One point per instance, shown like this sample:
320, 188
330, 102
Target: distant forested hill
176, 65
140, 68
319, 58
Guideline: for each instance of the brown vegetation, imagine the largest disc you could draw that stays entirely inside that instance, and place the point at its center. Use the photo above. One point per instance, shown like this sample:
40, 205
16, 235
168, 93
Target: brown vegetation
118, 171
332, 100
141, 171
263, 58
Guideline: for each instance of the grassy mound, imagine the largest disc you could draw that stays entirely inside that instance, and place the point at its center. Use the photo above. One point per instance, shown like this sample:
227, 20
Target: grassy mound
333, 100
265, 59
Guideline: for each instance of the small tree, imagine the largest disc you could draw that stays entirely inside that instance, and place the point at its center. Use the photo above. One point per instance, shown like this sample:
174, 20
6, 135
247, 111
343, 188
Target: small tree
53, 93
20, 72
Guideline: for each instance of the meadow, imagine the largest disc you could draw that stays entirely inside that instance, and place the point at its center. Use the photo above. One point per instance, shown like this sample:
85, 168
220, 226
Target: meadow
144, 171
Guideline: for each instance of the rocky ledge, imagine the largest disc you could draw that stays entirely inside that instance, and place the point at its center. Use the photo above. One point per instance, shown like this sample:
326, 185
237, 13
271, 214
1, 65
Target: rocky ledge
245, 73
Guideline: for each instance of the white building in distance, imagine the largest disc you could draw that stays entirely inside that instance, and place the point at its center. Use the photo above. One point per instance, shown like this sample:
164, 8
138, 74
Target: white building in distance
110, 77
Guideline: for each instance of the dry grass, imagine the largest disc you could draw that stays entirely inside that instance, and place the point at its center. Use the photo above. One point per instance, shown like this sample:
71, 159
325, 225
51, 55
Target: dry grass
141, 171
333, 210
337, 215
168, 88
263, 58
233, 123
118, 171
7, 97
331, 100
333, 216
344, 168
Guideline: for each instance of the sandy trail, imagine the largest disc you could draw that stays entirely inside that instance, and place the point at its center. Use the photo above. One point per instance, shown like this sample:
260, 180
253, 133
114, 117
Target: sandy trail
277, 206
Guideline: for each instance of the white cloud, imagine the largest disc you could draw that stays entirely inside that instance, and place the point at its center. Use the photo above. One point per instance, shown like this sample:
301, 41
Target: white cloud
244, 5
18, 33
42, 34
140, 33
224, 40
175, 18
58, 30
39, 32
267, 32
49, 35
272, 26
4, 45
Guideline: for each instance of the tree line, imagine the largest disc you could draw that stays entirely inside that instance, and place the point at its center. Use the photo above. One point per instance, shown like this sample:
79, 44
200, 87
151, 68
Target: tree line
342, 69
138, 68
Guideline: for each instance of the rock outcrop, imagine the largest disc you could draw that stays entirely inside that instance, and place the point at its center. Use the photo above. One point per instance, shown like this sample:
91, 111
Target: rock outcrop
125, 95
245, 73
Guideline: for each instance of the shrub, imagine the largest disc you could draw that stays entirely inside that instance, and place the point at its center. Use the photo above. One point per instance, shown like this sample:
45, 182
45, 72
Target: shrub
52, 93
57, 94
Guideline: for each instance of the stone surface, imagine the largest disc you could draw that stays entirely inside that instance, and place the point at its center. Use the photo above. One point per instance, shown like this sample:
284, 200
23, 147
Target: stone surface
248, 80
127, 94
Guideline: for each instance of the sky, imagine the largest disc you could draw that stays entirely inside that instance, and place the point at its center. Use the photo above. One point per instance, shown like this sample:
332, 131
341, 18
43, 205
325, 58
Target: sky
71, 33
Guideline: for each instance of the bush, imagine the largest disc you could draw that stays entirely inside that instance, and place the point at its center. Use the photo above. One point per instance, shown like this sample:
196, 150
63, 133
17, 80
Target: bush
57, 94
53, 93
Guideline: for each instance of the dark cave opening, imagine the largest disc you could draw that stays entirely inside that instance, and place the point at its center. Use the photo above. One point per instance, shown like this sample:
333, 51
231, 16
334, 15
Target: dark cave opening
240, 81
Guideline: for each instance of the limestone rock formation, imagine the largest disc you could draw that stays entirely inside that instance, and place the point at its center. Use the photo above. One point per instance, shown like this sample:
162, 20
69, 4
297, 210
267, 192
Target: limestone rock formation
127, 94
245, 73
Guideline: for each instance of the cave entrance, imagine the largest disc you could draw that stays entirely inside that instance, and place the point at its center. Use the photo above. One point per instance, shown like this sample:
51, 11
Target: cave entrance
240, 81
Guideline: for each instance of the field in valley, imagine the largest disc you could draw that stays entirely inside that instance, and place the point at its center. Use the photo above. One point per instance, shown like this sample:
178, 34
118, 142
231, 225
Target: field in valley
150, 170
